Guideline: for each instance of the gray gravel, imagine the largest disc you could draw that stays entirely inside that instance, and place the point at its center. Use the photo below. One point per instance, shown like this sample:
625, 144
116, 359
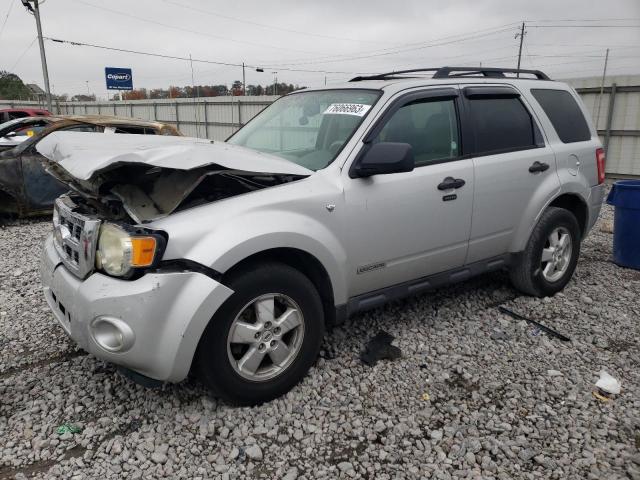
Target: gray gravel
475, 395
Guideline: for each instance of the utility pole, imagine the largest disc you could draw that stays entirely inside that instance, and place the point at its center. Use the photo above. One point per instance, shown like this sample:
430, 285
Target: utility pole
604, 73
244, 82
521, 34
45, 72
195, 104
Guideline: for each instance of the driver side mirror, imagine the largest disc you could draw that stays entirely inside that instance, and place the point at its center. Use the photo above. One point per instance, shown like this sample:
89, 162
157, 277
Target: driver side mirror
382, 158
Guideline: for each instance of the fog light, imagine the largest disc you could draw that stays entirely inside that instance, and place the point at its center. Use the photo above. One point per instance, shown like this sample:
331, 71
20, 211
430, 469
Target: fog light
112, 334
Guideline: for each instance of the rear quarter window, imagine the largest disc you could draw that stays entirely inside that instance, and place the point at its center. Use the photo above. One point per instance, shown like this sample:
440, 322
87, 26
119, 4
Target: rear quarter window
564, 113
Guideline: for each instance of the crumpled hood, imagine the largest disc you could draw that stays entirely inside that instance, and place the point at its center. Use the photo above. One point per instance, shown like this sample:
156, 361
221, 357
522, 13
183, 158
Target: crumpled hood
82, 155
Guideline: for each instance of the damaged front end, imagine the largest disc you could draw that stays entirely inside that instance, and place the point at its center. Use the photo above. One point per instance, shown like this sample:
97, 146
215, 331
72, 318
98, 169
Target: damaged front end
144, 179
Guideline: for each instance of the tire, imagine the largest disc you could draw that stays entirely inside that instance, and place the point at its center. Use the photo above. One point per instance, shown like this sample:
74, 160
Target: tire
237, 339
534, 277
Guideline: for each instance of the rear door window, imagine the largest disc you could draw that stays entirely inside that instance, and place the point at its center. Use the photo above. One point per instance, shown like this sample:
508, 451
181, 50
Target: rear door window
501, 124
564, 113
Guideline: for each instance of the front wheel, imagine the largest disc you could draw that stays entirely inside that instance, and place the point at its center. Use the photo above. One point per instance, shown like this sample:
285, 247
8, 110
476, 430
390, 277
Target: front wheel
551, 255
265, 337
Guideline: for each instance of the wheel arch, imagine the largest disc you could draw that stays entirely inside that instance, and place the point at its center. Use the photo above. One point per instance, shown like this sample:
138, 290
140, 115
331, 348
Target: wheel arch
576, 205
302, 261
571, 201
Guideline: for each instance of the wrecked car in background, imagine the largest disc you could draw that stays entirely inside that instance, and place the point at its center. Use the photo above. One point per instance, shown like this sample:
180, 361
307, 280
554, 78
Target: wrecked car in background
26, 189
14, 132
7, 114
231, 258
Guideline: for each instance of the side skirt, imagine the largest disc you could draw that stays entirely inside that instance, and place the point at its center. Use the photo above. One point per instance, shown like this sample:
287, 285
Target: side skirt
379, 297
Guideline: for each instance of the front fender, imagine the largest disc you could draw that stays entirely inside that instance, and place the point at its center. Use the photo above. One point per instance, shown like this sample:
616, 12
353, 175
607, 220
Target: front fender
253, 232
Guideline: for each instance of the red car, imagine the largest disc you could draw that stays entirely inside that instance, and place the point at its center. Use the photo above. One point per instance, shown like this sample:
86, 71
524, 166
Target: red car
7, 114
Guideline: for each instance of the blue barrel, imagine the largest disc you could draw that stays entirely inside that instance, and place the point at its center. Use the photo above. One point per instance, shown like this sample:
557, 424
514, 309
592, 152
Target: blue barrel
625, 197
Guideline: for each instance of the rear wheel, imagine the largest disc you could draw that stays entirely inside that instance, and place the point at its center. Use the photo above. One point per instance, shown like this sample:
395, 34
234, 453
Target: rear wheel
551, 255
265, 337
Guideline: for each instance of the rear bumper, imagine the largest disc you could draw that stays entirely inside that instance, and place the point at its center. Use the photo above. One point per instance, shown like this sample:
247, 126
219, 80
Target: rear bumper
596, 198
159, 317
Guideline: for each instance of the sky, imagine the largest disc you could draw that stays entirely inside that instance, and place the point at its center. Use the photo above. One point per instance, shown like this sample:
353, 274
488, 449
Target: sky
311, 43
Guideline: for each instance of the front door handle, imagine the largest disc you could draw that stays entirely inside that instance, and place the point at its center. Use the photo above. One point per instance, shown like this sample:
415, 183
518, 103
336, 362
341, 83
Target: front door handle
450, 182
538, 167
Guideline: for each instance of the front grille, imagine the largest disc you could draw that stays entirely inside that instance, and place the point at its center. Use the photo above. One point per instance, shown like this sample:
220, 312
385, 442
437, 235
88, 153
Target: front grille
75, 237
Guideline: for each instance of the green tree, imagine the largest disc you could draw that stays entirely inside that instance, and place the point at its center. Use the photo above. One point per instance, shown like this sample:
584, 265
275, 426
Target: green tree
12, 88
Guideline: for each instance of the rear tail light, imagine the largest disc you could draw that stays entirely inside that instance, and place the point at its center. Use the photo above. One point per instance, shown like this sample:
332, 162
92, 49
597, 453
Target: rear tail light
600, 161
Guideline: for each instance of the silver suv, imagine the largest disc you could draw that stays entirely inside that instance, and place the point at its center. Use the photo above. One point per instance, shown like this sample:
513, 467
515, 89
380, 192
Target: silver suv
231, 258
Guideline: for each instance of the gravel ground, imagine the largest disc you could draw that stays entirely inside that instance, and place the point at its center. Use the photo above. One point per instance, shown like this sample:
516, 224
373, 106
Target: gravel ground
475, 395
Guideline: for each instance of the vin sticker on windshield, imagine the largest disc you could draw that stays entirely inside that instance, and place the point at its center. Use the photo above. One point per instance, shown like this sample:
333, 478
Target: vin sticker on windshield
358, 109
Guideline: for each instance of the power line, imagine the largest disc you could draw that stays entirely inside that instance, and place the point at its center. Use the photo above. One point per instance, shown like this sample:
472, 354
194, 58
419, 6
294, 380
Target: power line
586, 20
4, 24
173, 57
181, 29
581, 45
264, 25
383, 53
23, 54
584, 26
347, 56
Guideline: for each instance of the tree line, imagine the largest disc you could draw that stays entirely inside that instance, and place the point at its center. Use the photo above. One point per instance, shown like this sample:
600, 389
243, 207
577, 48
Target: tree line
207, 91
12, 88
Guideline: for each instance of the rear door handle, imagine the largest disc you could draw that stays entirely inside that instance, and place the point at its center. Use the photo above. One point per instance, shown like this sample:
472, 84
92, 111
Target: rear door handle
538, 167
450, 182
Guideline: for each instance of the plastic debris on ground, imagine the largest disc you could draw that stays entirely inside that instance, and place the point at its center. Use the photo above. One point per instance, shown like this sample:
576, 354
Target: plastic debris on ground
68, 428
380, 348
606, 387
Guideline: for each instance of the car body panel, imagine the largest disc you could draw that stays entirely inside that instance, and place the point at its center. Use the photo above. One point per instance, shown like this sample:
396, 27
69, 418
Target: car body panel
167, 331
378, 208
369, 234
69, 151
295, 216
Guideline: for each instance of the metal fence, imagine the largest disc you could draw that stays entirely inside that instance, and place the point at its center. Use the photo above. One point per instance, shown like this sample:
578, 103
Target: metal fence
212, 117
616, 114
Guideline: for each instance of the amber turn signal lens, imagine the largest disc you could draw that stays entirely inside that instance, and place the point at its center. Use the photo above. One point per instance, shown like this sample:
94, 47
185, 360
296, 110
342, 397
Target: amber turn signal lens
143, 251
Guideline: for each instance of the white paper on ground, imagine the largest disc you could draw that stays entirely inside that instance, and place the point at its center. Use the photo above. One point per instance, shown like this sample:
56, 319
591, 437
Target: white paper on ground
608, 384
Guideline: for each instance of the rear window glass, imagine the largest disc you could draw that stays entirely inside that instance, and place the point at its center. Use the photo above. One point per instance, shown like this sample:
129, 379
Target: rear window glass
13, 115
564, 113
502, 124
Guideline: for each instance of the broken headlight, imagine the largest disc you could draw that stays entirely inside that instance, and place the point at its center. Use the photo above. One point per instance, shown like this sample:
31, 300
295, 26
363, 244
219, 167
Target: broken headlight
120, 251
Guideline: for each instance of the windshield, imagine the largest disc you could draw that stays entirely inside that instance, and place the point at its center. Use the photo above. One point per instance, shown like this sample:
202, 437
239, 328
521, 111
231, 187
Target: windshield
307, 128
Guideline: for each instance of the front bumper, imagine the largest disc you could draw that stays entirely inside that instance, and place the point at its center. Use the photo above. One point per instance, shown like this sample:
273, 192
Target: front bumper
162, 315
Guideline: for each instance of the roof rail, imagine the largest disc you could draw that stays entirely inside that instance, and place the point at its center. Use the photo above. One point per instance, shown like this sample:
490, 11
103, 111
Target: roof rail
452, 72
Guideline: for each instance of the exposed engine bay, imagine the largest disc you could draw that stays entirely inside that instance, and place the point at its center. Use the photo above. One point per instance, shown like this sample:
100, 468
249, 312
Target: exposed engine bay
145, 194
144, 179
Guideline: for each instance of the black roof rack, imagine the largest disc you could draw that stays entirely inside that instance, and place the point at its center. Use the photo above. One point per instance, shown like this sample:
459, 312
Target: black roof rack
452, 72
